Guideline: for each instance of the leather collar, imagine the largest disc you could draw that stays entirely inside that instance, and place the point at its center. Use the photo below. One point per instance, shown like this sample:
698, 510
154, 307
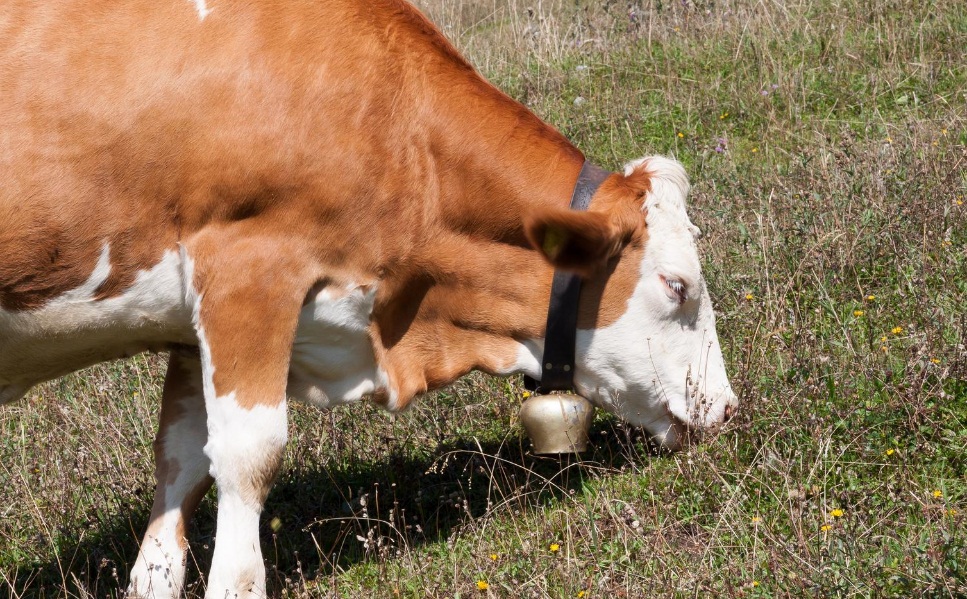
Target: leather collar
560, 337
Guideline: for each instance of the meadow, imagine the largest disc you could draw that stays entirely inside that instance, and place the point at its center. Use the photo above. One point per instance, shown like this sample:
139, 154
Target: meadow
826, 141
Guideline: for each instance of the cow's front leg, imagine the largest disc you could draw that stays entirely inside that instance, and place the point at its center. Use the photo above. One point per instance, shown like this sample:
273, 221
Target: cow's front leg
246, 315
181, 470
245, 447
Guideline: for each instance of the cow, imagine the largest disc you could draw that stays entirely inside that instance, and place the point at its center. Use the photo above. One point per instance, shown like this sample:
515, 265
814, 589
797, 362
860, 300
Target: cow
319, 201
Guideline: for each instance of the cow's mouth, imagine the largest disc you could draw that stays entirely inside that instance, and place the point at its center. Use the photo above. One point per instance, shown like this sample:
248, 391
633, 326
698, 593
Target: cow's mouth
683, 432
677, 436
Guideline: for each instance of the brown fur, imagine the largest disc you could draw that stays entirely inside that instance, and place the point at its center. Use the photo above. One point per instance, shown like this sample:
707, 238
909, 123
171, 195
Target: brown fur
283, 143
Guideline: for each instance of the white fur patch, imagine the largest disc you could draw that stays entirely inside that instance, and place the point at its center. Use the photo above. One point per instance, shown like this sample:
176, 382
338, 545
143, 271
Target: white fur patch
76, 330
242, 444
202, 8
669, 189
332, 358
159, 569
528, 360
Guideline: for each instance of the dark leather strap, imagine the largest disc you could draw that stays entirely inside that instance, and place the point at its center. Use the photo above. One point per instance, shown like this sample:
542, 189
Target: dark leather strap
557, 365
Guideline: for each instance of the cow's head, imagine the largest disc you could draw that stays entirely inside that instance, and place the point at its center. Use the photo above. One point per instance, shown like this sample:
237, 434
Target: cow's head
647, 346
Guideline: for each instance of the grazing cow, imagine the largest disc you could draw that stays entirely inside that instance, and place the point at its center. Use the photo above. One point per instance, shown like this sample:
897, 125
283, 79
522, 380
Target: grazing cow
317, 200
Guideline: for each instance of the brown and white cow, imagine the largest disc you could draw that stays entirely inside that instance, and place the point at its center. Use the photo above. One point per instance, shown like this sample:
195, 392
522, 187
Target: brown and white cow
319, 200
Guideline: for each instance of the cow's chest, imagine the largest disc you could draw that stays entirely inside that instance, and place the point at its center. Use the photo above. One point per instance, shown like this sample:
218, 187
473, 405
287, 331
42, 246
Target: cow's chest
332, 358
78, 329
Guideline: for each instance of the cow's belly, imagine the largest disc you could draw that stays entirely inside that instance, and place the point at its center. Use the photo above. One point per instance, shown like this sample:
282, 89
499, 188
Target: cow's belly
76, 330
332, 357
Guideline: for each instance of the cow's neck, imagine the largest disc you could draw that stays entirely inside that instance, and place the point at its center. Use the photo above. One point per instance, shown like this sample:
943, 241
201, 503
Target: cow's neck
475, 293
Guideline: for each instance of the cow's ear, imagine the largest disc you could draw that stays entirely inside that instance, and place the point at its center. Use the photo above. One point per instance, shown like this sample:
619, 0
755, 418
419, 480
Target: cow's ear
577, 241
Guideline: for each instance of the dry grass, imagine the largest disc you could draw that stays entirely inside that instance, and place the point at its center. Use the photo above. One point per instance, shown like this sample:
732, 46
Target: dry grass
828, 146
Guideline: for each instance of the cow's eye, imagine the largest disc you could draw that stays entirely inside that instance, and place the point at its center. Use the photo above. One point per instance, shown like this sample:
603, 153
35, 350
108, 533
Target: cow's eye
675, 288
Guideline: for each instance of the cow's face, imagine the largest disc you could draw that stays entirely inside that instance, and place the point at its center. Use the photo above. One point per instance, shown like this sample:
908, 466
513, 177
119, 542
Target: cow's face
657, 363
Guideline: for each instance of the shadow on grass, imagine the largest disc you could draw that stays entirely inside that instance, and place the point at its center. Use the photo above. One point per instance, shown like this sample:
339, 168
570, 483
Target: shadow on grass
320, 520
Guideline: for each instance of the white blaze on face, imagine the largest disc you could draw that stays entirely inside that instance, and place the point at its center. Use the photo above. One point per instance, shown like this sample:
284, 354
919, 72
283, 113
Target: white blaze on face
660, 365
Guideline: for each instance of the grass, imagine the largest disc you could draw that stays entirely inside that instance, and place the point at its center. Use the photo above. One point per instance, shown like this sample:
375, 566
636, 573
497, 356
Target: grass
827, 143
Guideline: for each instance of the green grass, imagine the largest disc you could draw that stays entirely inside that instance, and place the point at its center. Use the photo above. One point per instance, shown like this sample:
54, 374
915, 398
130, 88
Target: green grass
835, 248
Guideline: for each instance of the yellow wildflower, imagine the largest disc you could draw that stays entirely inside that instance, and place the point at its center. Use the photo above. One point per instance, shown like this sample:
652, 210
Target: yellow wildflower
857, 313
951, 512
896, 330
756, 519
482, 585
526, 394
749, 296
582, 594
890, 451
837, 513
937, 494
493, 556
554, 547
754, 150
935, 360
755, 583
680, 134
825, 528
870, 297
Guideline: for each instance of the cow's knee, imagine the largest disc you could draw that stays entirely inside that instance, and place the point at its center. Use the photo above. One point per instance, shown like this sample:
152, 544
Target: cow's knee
245, 447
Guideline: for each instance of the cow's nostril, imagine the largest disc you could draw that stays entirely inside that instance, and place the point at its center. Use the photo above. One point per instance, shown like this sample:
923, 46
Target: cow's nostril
729, 412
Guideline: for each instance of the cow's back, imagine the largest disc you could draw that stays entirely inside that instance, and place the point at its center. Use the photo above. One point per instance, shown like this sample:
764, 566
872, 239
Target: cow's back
131, 128
141, 123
